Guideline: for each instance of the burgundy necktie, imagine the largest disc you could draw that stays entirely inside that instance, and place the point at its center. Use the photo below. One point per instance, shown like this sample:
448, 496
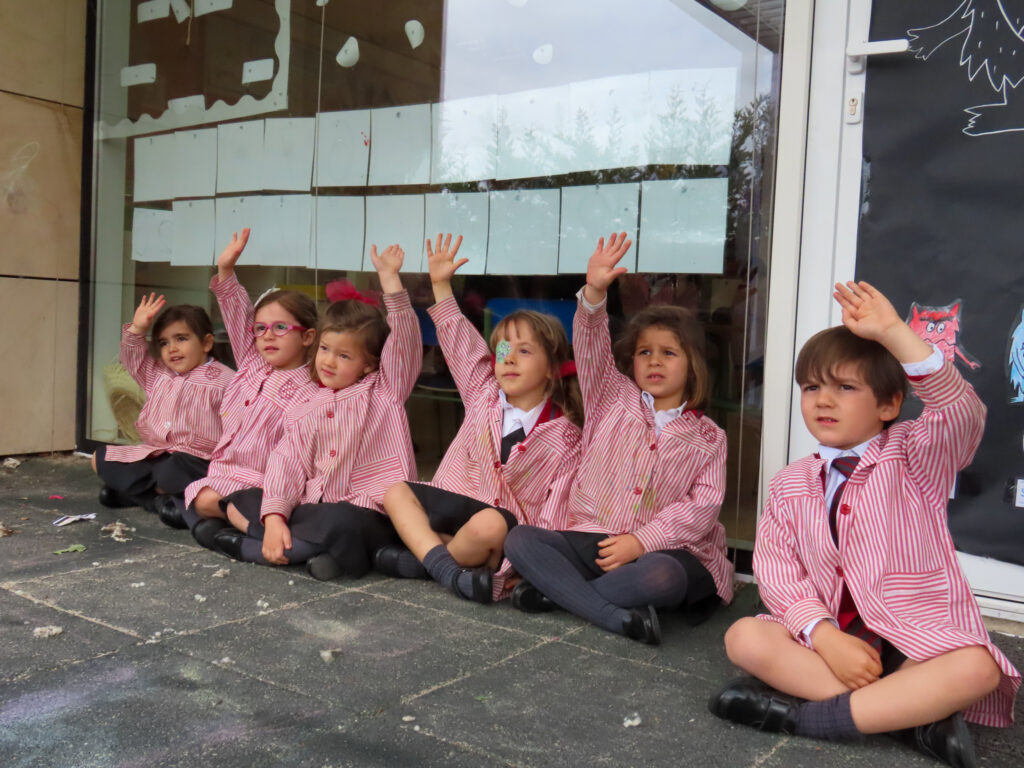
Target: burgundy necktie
845, 465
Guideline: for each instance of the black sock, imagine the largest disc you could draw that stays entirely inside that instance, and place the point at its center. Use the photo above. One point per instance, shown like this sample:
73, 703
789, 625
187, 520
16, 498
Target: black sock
409, 567
441, 565
830, 719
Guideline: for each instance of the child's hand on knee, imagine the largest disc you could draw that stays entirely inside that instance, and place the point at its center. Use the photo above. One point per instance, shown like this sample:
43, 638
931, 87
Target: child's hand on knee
276, 539
616, 551
852, 661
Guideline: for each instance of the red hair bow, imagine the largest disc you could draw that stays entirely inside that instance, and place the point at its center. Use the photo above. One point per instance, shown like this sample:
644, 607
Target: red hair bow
343, 289
568, 369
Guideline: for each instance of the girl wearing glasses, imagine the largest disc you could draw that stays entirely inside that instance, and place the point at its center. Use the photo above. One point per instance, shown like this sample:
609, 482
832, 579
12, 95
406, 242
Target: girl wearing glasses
271, 343
320, 500
180, 422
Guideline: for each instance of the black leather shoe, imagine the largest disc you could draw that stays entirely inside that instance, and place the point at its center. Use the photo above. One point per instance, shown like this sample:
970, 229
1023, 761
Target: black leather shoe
323, 567
228, 541
643, 625
114, 499
529, 599
169, 513
482, 585
207, 528
385, 559
946, 740
748, 701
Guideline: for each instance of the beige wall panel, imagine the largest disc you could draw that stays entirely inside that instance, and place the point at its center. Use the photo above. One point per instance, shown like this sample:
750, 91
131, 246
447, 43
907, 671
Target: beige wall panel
41, 166
42, 48
26, 386
65, 366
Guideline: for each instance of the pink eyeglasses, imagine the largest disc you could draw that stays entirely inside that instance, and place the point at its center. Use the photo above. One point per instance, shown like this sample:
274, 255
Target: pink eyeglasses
278, 329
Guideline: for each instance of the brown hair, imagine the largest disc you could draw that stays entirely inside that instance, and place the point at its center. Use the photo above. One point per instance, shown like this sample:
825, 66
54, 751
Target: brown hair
550, 334
352, 316
827, 350
298, 305
689, 333
194, 317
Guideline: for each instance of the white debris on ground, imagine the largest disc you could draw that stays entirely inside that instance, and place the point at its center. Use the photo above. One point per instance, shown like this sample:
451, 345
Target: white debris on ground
226, 660
327, 656
199, 598
631, 722
408, 719
11, 463
47, 631
118, 531
262, 604
136, 584
220, 573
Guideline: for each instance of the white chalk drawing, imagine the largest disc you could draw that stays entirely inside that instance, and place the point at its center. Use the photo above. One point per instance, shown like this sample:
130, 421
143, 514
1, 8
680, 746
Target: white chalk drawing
1015, 361
991, 42
192, 111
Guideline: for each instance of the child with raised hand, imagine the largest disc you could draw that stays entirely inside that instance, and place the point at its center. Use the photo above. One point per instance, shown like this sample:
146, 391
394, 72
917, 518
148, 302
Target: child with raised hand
272, 343
643, 530
873, 627
512, 460
341, 450
180, 422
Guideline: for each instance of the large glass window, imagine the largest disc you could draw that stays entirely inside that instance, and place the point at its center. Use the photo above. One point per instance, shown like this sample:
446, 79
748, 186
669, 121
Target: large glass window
532, 128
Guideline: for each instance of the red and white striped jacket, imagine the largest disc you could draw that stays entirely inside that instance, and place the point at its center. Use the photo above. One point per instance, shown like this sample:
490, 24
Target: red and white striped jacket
664, 489
182, 412
252, 411
895, 554
535, 482
352, 444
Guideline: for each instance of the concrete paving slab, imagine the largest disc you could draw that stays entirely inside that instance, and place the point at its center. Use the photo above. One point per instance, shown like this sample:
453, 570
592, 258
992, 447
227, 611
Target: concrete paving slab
381, 652
177, 590
430, 594
24, 654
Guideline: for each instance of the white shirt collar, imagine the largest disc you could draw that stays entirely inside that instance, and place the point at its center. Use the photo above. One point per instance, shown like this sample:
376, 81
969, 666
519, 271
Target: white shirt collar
513, 418
830, 454
661, 418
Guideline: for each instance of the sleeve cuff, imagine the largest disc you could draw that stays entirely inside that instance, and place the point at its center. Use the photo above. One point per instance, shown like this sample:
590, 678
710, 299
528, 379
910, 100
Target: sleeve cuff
805, 612
135, 339
219, 286
275, 507
941, 388
397, 301
587, 305
806, 632
652, 539
444, 310
930, 364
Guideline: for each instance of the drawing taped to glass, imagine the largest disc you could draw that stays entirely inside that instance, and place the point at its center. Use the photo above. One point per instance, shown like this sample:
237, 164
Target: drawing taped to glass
991, 42
1015, 361
941, 326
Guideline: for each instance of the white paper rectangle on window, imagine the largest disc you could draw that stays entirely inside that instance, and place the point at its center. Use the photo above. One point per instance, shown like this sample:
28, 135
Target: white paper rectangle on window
288, 153
533, 130
592, 212
395, 219
691, 116
195, 163
257, 71
235, 214
340, 223
240, 156
609, 122
194, 224
460, 213
287, 220
182, 10
155, 172
140, 74
523, 238
400, 145
683, 225
210, 6
342, 148
152, 235
465, 145
153, 9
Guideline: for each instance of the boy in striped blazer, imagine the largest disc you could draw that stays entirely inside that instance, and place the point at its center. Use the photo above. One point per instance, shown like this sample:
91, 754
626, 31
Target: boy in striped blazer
873, 627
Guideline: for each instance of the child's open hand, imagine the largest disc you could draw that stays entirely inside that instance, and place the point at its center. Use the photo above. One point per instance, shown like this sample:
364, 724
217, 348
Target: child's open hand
866, 311
616, 551
229, 256
852, 661
276, 539
148, 309
601, 269
388, 264
441, 259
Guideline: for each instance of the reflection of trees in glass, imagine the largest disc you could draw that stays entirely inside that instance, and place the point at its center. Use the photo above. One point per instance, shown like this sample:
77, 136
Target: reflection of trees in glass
752, 133
679, 134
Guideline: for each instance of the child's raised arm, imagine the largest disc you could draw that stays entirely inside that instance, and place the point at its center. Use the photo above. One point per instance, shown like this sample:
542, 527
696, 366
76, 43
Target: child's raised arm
602, 270
870, 315
442, 266
401, 359
134, 353
235, 306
